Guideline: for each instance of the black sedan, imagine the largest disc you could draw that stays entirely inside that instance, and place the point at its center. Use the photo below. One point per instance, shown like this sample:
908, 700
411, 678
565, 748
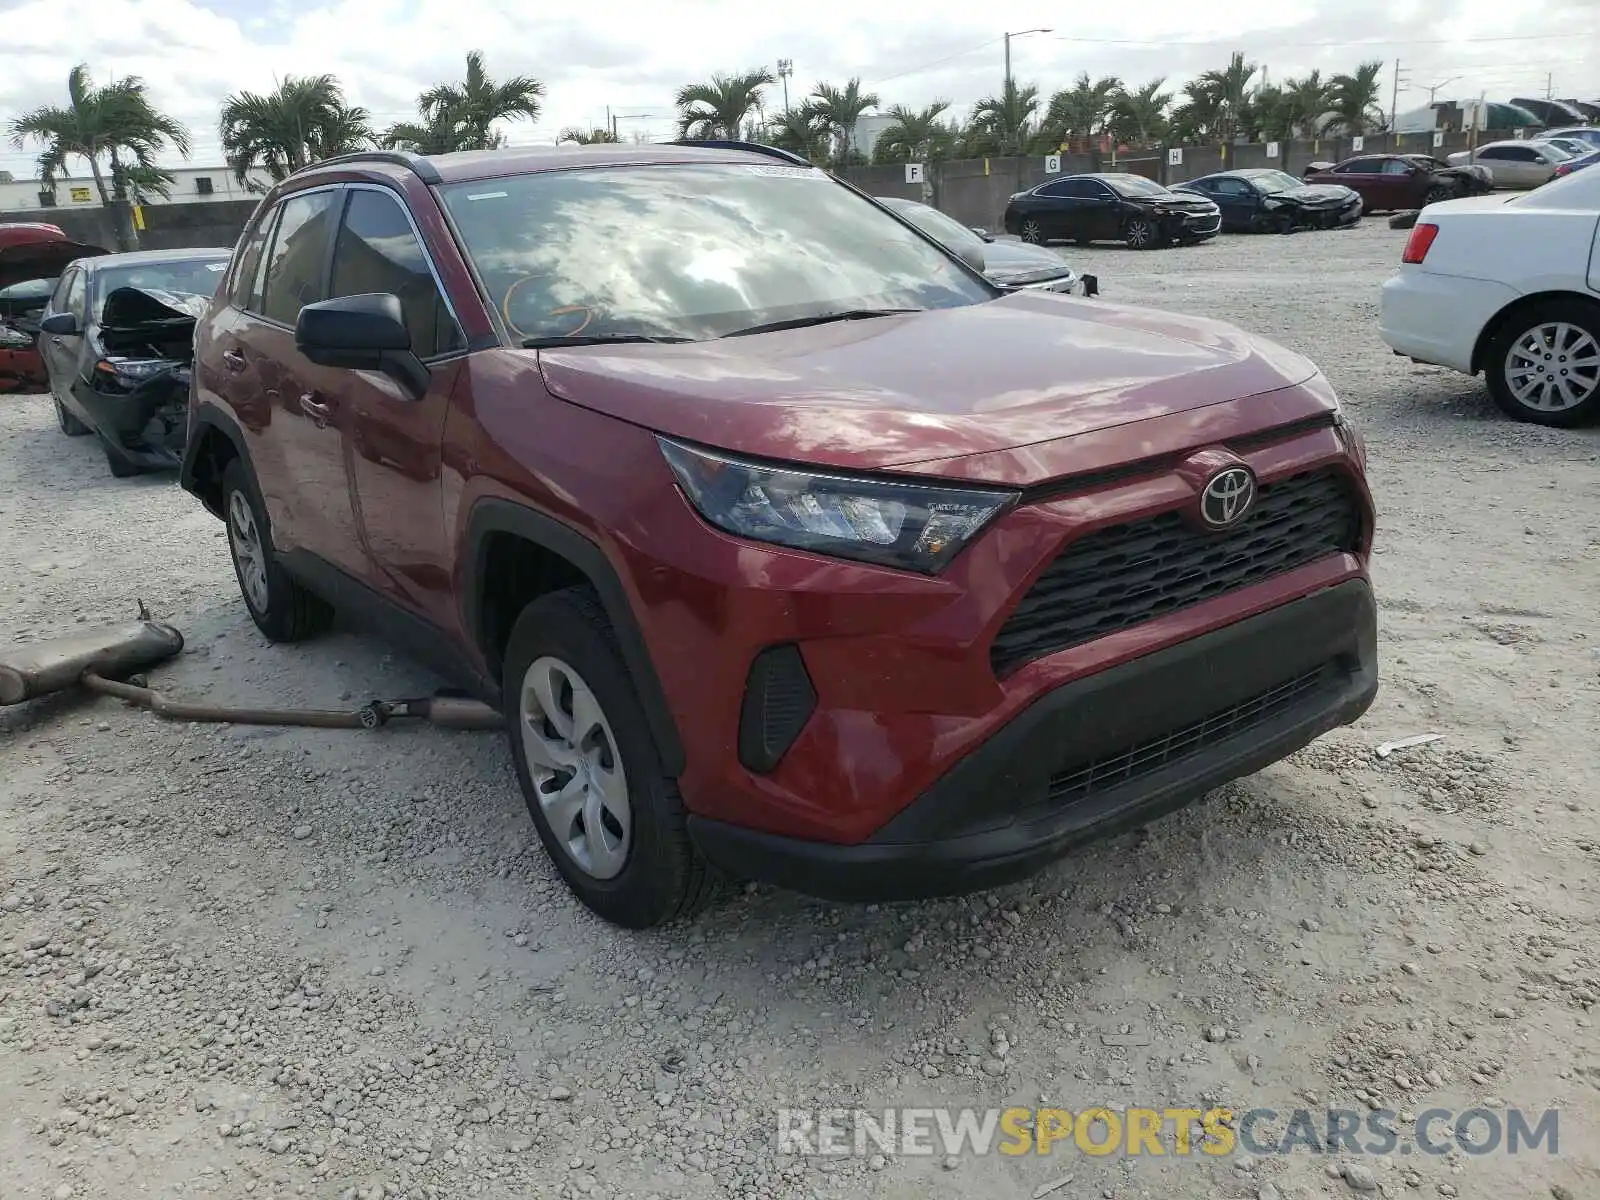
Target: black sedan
1010, 266
118, 344
1111, 207
1264, 200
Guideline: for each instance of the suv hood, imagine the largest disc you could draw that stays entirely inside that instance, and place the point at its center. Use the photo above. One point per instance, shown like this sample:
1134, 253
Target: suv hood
1028, 368
43, 259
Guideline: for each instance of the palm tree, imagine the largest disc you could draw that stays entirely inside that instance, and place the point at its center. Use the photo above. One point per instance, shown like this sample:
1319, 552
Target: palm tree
1307, 101
586, 137
1198, 117
801, 130
721, 108
111, 121
918, 135
838, 109
1230, 89
1006, 120
477, 102
303, 120
1140, 116
1078, 113
1354, 98
439, 134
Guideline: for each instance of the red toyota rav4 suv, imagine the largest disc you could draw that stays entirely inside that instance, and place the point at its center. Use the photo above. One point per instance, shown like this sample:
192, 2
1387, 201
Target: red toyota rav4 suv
793, 549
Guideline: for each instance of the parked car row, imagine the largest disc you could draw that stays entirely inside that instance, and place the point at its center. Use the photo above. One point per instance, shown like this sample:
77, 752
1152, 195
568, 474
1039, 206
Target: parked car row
1111, 207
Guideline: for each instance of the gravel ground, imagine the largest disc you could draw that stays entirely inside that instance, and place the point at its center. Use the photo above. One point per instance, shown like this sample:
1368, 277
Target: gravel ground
255, 962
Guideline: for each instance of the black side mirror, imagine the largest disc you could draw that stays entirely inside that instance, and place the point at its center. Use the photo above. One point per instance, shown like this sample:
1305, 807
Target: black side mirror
61, 324
362, 333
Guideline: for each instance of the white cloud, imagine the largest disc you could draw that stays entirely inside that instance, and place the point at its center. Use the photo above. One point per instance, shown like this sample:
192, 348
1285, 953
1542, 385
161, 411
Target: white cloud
632, 57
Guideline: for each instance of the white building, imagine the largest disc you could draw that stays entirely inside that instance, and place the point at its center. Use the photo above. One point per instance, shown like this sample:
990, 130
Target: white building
191, 185
867, 129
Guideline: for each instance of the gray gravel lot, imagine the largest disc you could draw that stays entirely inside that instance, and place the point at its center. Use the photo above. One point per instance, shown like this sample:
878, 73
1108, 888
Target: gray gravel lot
271, 962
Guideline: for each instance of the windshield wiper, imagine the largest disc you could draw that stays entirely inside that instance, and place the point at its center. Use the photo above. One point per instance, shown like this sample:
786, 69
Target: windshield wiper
596, 339
848, 314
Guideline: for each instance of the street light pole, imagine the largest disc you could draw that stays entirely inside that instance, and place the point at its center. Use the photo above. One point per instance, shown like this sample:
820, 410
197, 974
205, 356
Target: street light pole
785, 69
1005, 95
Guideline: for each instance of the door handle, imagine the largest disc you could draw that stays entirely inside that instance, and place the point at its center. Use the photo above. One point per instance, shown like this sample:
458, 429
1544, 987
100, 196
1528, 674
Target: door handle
315, 409
233, 360
55, 339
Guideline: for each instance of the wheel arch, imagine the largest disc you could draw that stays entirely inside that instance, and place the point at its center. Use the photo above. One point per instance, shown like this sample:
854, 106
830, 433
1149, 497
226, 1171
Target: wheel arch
516, 554
1492, 327
214, 439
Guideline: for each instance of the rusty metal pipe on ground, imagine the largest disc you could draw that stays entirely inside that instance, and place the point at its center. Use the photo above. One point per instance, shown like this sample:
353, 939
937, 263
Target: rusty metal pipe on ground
107, 661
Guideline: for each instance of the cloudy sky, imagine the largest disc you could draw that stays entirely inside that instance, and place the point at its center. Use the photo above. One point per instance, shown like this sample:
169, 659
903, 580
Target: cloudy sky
633, 55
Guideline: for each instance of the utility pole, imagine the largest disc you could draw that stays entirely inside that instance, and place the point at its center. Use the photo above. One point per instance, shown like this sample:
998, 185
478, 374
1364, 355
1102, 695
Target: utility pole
1434, 89
1549, 86
1005, 94
785, 69
1394, 99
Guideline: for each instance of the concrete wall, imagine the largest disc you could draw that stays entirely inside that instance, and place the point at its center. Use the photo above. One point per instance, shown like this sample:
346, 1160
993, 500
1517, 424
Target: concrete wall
975, 191
166, 226
190, 185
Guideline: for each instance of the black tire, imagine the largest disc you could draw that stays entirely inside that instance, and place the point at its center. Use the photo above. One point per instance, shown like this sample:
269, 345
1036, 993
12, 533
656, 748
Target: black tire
290, 613
1578, 314
1286, 223
1141, 233
67, 423
121, 468
1405, 220
1031, 232
663, 876
1438, 192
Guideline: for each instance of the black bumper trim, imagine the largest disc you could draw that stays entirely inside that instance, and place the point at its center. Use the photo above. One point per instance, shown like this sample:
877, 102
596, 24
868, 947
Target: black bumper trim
990, 819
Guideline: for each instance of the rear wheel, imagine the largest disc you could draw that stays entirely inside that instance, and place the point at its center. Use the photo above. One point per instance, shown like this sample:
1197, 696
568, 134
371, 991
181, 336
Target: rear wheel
1032, 232
67, 423
282, 609
1141, 234
609, 816
1543, 365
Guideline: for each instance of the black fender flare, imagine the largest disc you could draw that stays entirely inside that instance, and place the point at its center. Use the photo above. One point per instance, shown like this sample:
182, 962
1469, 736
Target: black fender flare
493, 515
206, 418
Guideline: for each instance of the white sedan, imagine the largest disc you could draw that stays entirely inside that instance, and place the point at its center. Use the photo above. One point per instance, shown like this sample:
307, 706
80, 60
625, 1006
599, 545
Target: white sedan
1509, 287
1515, 164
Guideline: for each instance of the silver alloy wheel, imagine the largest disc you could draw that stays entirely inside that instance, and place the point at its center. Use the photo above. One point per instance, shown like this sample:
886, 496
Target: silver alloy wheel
1032, 233
1553, 367
1139, 233
248, 553
575, 767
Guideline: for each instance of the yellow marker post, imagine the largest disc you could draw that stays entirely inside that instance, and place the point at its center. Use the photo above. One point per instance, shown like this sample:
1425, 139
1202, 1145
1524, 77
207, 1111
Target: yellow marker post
138, 217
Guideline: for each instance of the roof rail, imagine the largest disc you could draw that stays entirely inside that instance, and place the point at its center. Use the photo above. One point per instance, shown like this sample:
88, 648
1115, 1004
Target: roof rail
415, 163
748, 147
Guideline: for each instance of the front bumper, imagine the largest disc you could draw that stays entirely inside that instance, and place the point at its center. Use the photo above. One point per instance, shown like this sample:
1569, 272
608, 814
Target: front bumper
1096, 756
147, 425
1192, 227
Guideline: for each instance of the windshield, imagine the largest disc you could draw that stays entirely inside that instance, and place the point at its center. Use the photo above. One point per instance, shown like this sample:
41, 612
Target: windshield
695, 251
1557, 152
199, 276
1134, 185
937, 225
1274, 181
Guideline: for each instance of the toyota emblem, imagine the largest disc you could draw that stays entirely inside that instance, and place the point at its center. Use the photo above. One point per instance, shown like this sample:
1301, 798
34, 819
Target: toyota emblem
1227, 497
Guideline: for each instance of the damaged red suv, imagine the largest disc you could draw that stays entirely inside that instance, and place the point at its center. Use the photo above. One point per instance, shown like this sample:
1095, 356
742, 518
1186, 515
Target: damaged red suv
793, 549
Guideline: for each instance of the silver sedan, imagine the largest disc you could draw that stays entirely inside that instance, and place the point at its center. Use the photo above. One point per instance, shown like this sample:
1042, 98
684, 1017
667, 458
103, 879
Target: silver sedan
1515, 164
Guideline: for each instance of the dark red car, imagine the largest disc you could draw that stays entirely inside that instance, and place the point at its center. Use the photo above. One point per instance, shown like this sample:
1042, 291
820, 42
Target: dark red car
793, 548
29, 252
1398, 182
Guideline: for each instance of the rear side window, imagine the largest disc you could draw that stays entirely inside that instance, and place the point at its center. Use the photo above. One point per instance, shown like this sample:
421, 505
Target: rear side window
377, 251
244, 294
297, 262
1396, 166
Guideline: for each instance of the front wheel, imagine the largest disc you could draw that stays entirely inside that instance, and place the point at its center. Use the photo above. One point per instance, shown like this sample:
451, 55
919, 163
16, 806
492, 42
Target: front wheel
282, 609
1438, 192
1032, 232
1543, 365
1140, 233
609, 816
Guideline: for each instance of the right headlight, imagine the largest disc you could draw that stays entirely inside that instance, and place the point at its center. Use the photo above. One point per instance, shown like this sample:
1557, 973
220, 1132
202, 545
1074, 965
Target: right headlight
912, 526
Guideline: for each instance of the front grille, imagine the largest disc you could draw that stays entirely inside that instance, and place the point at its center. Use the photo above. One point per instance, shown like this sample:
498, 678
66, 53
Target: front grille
1125, 575
1113, 770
